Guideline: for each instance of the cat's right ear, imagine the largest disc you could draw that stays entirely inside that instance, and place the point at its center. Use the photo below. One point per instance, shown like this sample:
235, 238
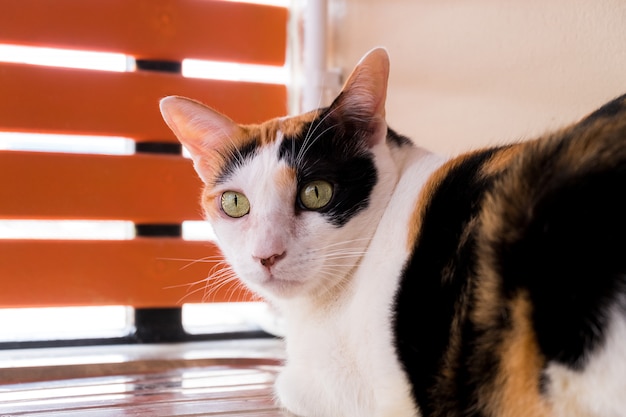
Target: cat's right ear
201, 130
363, 96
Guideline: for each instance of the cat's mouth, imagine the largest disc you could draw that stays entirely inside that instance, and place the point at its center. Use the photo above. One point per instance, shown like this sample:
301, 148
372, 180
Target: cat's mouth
283, 288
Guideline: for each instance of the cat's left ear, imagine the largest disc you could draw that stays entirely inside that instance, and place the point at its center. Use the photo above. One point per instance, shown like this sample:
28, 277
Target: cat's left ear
202, 130
362, 98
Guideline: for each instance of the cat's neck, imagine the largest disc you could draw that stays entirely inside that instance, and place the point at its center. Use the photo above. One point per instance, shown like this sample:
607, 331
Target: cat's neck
406, 158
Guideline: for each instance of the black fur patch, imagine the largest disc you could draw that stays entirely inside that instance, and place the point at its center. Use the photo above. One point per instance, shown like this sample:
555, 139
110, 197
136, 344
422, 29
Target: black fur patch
397, 139
572, 255
336, 153
433, 284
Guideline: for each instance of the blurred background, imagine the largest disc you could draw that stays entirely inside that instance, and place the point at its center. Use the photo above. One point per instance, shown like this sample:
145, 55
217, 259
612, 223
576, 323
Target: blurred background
470, 73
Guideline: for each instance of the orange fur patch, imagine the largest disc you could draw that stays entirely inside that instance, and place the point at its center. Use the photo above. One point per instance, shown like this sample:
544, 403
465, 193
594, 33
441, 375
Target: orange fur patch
285, 178
415, 223
517, 392
267, 132
210, 203
500, 160
292, 126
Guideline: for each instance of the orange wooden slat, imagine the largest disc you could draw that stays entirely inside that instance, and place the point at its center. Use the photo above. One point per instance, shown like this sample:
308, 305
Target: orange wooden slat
158, 29
141, 188
157, 272
55, 100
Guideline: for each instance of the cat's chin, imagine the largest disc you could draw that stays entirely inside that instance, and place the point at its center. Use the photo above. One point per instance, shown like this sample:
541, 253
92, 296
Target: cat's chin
281, 288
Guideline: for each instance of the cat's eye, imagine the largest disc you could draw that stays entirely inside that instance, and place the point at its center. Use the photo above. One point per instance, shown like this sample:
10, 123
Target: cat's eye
316, 194
235, 204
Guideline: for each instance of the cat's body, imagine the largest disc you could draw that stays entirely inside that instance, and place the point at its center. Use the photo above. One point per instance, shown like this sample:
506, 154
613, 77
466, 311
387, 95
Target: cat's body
491, 284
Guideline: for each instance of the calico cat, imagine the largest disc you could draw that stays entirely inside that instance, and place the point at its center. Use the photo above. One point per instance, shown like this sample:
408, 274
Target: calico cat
488, 284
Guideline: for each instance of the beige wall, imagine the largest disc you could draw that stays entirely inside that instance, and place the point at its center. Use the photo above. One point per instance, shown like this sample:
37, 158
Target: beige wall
470, 73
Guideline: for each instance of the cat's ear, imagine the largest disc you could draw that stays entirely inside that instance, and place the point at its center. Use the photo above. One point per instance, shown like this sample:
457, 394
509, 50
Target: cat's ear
362, 98
202, 130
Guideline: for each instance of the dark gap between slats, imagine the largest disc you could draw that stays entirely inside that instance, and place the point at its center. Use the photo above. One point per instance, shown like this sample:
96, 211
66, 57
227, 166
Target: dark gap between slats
154, 325
168, 148
159, 65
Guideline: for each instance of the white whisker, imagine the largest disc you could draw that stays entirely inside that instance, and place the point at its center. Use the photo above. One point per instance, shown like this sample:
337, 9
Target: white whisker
309, 139
307, 145
190, 262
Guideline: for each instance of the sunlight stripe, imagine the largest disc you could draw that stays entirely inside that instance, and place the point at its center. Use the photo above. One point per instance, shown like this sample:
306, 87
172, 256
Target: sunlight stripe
46, 142
67, 229
198, 230
64, 323
229, 71
277, 3
66, 58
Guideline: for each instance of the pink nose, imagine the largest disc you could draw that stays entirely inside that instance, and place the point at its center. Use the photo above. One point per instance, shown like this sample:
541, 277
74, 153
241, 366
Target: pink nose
269, 262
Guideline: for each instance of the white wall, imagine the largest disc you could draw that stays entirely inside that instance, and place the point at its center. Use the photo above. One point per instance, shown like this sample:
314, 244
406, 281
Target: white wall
467, 73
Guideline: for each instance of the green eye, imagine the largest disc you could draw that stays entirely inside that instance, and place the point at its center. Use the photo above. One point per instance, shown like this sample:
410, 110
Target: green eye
316, 194
235, 204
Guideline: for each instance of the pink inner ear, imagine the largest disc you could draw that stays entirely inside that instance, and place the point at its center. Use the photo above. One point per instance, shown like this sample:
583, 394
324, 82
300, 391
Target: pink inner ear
367, 85
364, 93
198, 127
202, 131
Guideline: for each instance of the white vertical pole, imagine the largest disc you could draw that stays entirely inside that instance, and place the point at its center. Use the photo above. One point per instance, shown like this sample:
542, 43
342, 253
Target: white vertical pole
314, 55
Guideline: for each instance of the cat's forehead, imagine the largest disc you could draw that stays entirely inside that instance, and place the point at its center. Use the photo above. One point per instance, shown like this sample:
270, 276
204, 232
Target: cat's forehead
296, 125
289, 126
254, 139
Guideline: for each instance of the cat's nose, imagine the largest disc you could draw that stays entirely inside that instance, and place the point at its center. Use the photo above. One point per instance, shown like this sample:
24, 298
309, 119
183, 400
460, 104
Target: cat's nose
269, 262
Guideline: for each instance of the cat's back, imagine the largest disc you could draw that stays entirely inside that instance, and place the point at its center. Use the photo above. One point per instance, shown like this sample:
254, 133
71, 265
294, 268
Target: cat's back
513, 299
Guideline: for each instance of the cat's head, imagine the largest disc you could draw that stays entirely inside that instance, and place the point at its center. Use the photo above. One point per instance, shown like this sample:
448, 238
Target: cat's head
295, 201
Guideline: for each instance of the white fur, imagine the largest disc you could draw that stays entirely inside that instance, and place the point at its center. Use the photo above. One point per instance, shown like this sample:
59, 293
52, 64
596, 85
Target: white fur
600, 389
341, 359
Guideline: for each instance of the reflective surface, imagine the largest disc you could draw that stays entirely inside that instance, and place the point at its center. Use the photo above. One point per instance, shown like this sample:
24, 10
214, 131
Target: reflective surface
232, 378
